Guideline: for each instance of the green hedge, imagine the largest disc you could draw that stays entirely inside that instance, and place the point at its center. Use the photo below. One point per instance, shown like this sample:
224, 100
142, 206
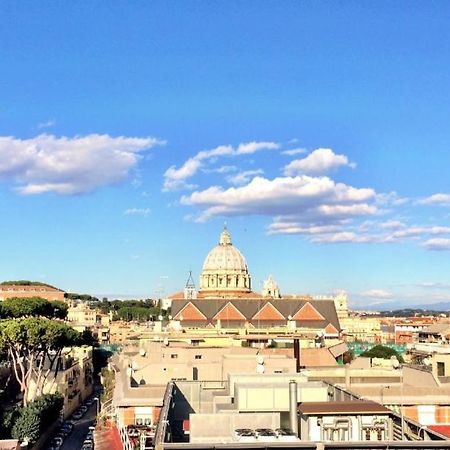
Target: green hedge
33, 421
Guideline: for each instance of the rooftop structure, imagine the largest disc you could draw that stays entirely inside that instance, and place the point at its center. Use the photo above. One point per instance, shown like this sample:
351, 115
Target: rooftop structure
22, 289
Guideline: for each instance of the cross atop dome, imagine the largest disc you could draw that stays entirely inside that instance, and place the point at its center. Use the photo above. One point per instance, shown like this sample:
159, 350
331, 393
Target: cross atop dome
225, 237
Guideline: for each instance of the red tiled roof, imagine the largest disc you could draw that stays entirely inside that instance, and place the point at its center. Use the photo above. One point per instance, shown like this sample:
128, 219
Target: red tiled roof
442, 429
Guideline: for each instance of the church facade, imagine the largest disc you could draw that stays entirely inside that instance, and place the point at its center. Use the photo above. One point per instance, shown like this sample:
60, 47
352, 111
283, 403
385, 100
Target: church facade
225, 300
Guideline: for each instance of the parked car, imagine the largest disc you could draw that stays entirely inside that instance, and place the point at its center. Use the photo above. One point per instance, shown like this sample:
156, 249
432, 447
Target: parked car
67, 427
77, 415
88, 445
83, 409
89, 402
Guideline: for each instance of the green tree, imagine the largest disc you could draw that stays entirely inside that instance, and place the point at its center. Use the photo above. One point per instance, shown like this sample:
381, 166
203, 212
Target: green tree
27, 426
88, 338
34, 346
33, 306
382, 351
60, 309
30, 422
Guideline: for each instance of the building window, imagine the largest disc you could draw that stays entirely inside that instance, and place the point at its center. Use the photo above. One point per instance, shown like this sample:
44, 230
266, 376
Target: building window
198, 356
441, 369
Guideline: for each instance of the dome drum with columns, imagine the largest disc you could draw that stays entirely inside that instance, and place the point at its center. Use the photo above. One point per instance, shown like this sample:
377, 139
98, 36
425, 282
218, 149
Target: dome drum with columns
225, 269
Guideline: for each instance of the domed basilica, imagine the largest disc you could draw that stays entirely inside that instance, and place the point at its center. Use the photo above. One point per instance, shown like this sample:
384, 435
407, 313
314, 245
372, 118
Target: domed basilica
225, 298
225, 269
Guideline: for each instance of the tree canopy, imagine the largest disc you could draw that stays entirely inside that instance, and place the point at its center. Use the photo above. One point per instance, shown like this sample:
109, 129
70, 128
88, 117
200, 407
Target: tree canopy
382, 351
34, 345
33, 340
33, 306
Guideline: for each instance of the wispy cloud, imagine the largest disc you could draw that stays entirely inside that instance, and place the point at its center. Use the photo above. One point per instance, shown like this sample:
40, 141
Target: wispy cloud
176, 178
436, 199
47, 124
437, 244
65, 165
377, 294
294, 151
137, 212
244, 177
221, 169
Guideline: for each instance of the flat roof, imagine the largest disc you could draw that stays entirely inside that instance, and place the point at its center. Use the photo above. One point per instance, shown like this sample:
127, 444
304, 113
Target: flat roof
347, 407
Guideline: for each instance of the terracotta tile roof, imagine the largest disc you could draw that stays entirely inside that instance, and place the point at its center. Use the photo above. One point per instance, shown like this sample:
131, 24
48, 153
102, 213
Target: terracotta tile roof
249, 308
442, 429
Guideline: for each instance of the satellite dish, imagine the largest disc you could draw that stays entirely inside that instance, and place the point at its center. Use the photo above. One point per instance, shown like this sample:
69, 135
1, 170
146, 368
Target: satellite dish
166, 342
426, 361
260, 359
134, 365
142, 352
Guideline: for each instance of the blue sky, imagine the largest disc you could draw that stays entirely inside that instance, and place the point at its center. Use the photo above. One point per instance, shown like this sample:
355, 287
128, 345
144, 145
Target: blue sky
130, 131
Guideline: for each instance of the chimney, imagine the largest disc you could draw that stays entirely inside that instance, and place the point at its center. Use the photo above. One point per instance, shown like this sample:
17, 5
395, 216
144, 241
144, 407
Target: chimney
297, 354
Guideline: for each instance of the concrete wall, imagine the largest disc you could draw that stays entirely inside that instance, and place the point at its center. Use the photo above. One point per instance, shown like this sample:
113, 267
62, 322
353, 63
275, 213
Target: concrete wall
417, 377
249, 378
207, 428
264, 397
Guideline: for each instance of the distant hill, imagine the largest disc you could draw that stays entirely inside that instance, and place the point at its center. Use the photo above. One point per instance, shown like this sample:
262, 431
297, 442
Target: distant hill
395, 306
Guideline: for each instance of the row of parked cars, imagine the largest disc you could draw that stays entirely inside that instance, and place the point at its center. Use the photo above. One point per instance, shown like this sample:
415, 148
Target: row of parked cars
265, 435
63, 431
67, 427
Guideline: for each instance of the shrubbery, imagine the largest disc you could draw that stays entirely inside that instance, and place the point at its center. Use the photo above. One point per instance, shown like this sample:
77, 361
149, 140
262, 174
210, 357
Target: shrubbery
32, 421
382, 351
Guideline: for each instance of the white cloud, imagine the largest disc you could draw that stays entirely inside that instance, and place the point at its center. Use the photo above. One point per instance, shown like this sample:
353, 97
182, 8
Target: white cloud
137, 212
377, 293
64, 165
310, 197
437, 244
319, 161
243, 177
297, 228
436, 199
417, 232
342, 237
175, 178
294, 151
392, 225
252, 147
